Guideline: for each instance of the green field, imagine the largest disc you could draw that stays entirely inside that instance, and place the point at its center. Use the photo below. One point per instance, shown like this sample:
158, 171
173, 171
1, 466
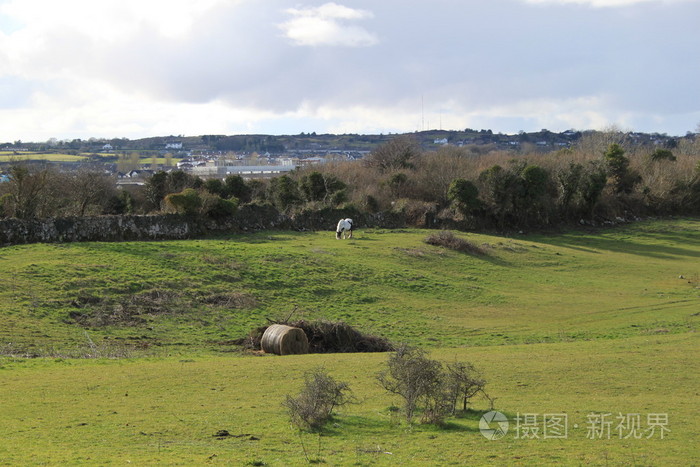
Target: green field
589, 325
9, 156
6, 156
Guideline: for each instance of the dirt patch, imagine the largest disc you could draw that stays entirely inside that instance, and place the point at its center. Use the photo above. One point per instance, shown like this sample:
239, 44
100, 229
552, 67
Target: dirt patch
129, 310
231, 300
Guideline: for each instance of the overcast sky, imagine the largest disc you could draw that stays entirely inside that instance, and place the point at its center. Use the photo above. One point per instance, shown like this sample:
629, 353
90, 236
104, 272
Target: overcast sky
136, 68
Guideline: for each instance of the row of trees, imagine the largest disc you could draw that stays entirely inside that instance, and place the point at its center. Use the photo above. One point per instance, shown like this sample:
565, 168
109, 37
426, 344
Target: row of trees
40, 191
603, 177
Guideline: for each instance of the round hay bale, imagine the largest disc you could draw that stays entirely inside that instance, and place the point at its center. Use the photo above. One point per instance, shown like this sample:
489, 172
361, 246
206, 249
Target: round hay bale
284, 340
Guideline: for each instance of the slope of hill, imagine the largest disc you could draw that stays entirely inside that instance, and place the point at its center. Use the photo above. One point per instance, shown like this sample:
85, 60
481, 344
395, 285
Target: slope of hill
598, 329
634, 280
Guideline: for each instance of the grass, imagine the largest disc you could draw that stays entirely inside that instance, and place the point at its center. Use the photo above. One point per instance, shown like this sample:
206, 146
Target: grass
10, 156
51, 157
576, 323
168, 410
575, 286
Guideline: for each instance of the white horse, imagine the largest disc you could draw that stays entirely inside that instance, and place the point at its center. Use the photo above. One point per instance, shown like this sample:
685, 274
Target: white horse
344, 228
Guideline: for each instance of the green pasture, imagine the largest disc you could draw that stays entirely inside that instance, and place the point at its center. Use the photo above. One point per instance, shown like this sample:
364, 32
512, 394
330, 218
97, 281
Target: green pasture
527, 289
168, 411
50, 157
144, 160
577, 323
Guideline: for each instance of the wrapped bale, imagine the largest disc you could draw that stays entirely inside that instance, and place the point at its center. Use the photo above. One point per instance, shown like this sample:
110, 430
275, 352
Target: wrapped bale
284, 340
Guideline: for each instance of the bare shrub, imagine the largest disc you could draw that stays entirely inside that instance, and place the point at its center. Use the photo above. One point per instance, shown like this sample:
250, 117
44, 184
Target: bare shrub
463, 383
428, 385
314, 405
436, 170
417, 213
447, 239
398, 153
411, 375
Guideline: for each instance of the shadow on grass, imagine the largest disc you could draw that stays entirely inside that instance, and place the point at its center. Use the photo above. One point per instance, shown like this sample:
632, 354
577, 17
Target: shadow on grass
361, 239
648, 241
366, 426
258, 237
471, 414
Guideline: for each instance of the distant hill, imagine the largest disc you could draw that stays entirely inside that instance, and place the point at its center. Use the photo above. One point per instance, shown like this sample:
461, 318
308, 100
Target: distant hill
544, 140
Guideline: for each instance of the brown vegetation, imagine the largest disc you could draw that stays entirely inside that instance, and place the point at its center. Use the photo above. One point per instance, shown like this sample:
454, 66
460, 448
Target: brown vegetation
604, 177
325, 337
449, 240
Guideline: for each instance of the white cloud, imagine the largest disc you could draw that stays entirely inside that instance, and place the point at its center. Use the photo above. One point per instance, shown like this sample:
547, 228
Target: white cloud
325, 25
81, 68
109, 20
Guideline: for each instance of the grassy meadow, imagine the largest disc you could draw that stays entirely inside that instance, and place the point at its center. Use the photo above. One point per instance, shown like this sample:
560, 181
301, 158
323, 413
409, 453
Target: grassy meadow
144, 160
8, 156
577, 323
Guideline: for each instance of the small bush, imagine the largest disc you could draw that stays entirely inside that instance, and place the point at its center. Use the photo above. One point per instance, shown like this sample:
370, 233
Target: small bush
662, 154
447, 239
463, 383
314, 405
411, 375
370, 203
427, 384
215, 207
187, 202
464, 194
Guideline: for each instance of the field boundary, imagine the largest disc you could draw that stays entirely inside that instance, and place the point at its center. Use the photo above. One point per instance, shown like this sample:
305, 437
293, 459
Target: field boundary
178, 227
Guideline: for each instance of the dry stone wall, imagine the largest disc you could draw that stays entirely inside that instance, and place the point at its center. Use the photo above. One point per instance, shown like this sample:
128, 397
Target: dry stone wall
175, 227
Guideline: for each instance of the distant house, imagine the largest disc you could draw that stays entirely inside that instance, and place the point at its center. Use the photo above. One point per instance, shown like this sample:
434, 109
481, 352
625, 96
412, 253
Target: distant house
440, 141
107, 147
173, 146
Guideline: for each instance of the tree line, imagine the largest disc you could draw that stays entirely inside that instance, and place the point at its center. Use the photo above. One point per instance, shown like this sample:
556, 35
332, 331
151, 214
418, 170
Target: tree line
603, 177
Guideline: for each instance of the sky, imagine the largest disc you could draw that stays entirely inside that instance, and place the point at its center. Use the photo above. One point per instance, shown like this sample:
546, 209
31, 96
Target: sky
137, 68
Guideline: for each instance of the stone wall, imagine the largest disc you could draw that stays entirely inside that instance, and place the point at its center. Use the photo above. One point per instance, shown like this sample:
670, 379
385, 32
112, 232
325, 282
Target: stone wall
174, 227
107, 228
